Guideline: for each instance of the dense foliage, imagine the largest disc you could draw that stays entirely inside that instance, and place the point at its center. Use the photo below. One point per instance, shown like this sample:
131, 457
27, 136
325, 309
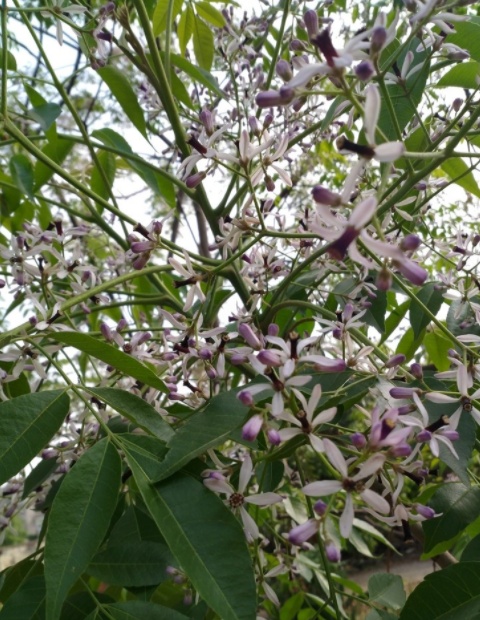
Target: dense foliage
241, 307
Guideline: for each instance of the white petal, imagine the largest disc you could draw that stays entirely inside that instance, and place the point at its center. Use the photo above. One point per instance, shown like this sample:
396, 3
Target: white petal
376, 501
323, 487
316, 443
288, 433
363, 213
264, 499
249, 524
372, 111
245, 473
336, 457
346, 520
324, 416
219, 486
370, 467
389, 151
436, 397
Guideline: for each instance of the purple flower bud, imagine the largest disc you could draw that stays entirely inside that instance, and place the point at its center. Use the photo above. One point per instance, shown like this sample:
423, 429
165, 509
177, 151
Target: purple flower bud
412, 271
416, 370
395, 360
251, 428
273, 437
421, 186
267, 121
188, 598
171, 570
157, 227
301, 533
122, 323
106, 332
358, 440
450, 434
384, 280
249, 336
104, 35
205, 354
237, 359
297, 46
254, 125
141, 261
286, 94
423, 436
332, 552
310, 19
2, 283
207, 119
425, 511
284, 70
379, 36
404, 392
246, 398
273, 329
400, 450
347, 312
211, 373
324, 196
299, 103
107, 8
410, 243
320, 507
269, 99
269, 358
364, 70
269, 183
457, 104
404, 409
195, 179
458, 55
176, 396
172, 387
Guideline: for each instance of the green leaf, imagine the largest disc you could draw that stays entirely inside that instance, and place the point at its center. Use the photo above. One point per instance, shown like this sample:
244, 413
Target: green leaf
437, 347
449, 594
197, 74
136, 526
394, 319
206, 539
79, 519
158, 184
461, 318
206, 429
464, 445
160, 14
432, 299
471, 553
270, 475
81, 604
38, 475
467, 36
292, 606
14, 576
120, 87
147, 451
136, 410
185, 28
100, 185
386, 589
210, 14
406, 97
132, 564
27, 603
203, 44
375, 315
21, 170
11, 60
409, 345
45, 115
110, 355
462, 75
56, 151
458, 172
458, 505
142, 610
17, 387
27, 424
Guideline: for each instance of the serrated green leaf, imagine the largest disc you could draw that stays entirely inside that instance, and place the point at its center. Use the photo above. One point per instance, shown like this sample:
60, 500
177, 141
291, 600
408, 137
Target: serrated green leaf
458, 172
203, 44
185, 28
210, 13
387, 589
79, 519
160, 14
132, 564
110, 355
462, 75
458, 504
206, 429
100, 183
27, 424
430, 297
449, 594
207, 541
142, 610
21, 170
136, 410
120, 87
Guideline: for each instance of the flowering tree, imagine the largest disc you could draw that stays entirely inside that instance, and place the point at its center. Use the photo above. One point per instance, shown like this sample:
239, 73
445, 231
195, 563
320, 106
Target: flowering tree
241, 306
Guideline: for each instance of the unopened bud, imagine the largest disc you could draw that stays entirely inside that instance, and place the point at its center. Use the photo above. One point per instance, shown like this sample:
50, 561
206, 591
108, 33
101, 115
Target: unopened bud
410, 243
324, 196
251, 428
284, 70
365, 70
207, 120
310, 19
195, 179
332, 552
379, 36
416, 370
